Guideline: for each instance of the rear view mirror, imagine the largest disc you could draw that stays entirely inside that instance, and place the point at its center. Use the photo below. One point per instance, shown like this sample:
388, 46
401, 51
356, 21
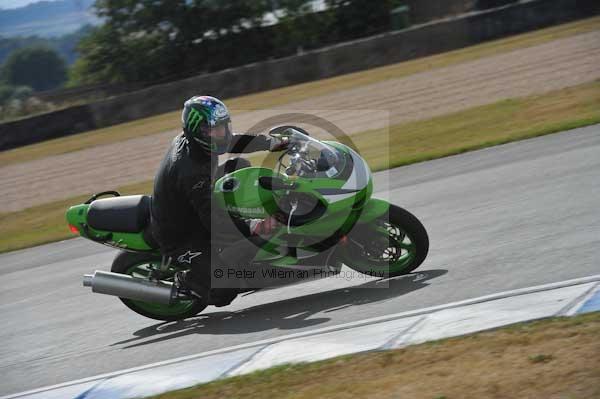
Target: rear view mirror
285, 131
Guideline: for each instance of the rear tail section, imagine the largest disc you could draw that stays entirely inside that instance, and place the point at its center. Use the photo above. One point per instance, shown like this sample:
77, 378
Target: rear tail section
119, 221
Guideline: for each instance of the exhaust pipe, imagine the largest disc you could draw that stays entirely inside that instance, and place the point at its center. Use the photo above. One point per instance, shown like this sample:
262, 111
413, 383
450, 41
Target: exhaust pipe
125, 286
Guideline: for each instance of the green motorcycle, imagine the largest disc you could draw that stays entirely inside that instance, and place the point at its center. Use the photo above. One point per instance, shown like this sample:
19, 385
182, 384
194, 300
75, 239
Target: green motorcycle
320, 191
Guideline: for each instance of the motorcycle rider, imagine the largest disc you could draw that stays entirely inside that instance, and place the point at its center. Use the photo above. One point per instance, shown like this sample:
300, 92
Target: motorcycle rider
181, 206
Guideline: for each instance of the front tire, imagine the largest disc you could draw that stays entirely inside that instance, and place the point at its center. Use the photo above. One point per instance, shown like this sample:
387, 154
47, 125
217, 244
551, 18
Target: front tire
137, 265
392, 245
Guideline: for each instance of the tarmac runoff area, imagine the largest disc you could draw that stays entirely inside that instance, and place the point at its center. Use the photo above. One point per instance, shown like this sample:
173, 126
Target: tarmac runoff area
388, 332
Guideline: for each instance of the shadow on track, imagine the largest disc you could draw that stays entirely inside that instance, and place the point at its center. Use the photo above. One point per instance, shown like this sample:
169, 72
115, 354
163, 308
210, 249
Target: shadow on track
289, 314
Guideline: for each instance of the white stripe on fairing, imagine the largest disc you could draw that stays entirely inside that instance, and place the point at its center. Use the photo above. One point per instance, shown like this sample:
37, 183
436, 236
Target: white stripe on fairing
361, 173
338, 197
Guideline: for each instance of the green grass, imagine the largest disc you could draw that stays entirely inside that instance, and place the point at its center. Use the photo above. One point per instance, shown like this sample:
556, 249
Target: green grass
450, 134
484, 126
490, 364
168, 121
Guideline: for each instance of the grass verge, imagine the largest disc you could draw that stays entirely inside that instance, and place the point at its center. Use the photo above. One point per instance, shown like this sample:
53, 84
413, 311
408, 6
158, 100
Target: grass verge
168, 121
484, 126
450, 134
551, 358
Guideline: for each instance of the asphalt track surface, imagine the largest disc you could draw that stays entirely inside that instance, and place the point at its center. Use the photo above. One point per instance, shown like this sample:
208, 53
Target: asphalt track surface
501, 218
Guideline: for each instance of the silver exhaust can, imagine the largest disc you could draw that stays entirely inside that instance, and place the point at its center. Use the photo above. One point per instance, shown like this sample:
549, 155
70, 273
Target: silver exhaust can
129, 287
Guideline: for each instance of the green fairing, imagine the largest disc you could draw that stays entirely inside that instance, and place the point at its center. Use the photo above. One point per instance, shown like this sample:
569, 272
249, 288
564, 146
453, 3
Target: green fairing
77, 216
372, 210
248, 200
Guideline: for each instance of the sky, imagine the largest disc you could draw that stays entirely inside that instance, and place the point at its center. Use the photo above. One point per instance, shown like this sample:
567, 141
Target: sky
17, 3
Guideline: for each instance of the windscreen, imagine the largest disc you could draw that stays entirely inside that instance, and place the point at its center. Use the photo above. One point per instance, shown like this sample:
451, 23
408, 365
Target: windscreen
308, 157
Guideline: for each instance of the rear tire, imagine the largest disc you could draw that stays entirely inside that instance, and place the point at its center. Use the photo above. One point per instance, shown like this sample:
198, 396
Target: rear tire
132, 263
392, 245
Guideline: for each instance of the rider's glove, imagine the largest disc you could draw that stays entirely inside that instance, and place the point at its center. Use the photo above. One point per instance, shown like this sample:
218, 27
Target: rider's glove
278, 144
263, 227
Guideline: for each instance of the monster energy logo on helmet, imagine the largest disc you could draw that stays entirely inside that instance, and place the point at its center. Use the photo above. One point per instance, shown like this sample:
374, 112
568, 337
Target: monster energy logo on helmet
193, 120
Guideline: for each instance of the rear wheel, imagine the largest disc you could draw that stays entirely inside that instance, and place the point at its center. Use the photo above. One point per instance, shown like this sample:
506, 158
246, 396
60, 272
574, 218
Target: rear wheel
140, 265
391, 245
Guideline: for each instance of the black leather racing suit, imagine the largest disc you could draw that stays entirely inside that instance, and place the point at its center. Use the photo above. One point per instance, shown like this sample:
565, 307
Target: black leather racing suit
182, 217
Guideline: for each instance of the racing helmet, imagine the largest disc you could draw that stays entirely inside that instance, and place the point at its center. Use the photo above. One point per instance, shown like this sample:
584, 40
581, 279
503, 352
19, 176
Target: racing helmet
206, 122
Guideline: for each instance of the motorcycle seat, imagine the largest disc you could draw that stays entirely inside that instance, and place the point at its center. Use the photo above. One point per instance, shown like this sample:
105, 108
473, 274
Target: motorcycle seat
126, 214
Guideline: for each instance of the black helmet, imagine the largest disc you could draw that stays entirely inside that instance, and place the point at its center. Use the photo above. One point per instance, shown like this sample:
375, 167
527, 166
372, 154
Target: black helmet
206, 122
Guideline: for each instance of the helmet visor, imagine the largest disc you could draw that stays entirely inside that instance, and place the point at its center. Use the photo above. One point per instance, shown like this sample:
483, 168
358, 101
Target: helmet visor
218, 136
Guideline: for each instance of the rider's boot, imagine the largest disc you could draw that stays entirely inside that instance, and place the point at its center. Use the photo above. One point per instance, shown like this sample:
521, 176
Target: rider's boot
222, 296
185, 282
217, 296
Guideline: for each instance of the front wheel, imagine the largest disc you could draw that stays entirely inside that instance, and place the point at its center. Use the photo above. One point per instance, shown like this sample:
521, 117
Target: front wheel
140, 265
392, 245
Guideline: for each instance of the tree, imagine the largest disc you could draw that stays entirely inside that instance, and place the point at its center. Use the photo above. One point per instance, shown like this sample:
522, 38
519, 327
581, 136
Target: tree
38, 67
147, 40
359, 18
157, 40
65, 45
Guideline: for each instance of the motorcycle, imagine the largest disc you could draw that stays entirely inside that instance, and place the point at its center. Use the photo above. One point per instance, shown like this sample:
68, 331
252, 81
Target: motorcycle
321, 191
